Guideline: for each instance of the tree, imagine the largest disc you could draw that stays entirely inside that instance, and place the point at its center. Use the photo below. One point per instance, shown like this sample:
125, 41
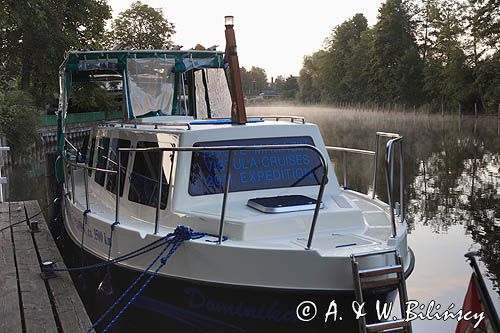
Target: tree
19, 119
142, 27
253, 81
35, 34
287, 88
311, 86
347, 60
483, 43
396, 67
447, 76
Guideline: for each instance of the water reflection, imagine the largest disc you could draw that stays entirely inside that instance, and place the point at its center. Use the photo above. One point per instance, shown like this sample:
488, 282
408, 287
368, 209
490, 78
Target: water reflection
452, 196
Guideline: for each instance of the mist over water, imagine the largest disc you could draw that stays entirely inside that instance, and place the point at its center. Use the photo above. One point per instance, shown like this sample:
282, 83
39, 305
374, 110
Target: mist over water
452, 196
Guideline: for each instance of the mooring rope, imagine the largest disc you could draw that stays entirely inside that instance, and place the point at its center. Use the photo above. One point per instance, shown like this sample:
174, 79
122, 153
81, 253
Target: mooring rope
135, 253
30, 217
175, 239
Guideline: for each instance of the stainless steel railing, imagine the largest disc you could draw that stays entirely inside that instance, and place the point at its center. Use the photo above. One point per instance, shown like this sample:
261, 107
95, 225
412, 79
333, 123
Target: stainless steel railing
345, 151
389, 170
174, 150
292, 119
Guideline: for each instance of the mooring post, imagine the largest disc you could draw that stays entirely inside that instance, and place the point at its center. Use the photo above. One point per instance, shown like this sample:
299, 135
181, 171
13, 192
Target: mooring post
3, 180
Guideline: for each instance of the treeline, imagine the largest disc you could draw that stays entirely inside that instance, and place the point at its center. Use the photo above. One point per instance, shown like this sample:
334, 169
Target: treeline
420, 52
255, 81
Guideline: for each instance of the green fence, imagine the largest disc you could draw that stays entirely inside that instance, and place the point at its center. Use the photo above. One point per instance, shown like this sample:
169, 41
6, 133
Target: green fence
75, 118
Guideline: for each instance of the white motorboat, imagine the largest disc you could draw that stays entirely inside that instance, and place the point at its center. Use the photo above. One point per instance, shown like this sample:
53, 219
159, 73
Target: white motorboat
273, 226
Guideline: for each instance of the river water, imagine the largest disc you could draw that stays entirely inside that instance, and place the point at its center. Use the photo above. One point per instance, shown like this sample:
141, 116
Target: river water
452, 196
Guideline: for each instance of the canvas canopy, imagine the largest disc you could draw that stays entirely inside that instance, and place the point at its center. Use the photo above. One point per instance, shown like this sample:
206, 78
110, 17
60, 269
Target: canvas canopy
155, 82
149, 76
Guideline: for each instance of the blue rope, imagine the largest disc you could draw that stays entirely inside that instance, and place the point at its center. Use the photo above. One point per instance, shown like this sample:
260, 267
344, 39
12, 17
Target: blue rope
130, 255
180, 235
135, 253
164, 261
122, 296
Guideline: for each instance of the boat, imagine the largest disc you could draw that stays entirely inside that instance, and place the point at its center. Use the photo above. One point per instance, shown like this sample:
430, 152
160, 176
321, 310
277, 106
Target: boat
274, 242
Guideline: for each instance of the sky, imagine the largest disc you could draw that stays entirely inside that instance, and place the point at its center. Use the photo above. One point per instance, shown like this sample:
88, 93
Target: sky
272, 34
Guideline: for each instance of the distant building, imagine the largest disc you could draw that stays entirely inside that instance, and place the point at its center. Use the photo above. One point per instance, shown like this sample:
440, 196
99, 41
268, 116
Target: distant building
269, 94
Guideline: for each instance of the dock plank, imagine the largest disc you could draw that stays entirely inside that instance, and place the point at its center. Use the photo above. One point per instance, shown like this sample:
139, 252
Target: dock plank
69, 306
36, 304
10, 311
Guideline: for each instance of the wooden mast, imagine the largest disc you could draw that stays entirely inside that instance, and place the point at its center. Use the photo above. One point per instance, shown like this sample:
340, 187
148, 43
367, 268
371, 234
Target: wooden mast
238, 113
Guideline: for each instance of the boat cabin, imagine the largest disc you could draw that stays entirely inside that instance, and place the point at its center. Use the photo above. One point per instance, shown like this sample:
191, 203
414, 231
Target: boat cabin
193, 183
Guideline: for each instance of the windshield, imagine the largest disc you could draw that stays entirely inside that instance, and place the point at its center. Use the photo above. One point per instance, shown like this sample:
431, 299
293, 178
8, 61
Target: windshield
254, 170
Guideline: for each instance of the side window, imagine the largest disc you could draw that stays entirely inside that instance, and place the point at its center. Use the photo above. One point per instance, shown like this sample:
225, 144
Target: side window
144, 177
102, 158
91, 156
112, 182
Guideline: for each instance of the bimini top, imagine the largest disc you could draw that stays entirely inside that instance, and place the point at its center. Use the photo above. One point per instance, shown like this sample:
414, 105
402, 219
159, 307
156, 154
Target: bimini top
155, 82
112, 61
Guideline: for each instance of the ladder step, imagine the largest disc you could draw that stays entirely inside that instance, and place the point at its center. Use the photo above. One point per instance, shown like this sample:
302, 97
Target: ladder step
387, 325
380, 283
381, 270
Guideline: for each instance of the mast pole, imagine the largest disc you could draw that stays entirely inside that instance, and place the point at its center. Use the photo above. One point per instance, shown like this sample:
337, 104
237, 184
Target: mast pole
238, 113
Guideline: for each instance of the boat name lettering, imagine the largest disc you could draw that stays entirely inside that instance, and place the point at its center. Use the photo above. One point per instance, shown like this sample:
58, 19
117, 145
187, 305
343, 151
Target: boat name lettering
272, 311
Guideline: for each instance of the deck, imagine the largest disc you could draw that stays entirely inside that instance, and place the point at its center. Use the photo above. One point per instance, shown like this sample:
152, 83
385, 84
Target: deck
29, 303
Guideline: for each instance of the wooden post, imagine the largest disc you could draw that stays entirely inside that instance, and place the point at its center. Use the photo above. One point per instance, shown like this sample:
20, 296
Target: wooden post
498, 120
459, 110
442, 107
475, 110
238, 113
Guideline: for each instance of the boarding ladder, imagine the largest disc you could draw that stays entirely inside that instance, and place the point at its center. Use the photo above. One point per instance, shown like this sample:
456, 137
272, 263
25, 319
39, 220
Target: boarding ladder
394, 277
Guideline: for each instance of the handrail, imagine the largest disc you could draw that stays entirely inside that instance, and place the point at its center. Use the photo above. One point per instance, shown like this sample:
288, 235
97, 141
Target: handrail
388, 134
230, 150
344, 157
292, 119
86, 167
155, 125
389, 170
72, 146
351, 150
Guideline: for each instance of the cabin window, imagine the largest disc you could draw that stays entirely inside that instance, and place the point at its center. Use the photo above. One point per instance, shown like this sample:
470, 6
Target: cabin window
91, 156
102, 158
144, 177
254, 170
112, 183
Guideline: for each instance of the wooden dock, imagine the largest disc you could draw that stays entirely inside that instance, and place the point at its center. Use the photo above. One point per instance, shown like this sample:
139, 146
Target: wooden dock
29, 303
